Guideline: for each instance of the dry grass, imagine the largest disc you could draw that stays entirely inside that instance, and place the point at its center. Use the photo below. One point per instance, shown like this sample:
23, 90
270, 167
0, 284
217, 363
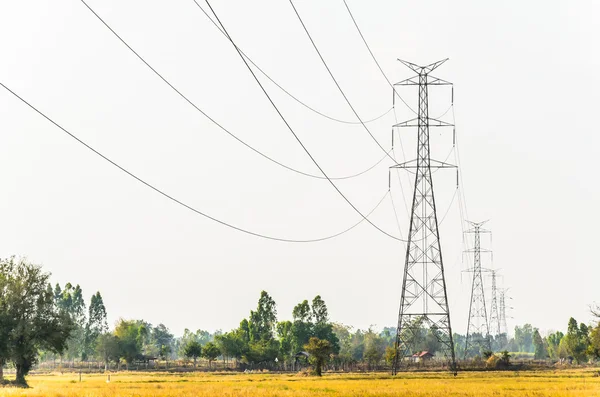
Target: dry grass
571, 383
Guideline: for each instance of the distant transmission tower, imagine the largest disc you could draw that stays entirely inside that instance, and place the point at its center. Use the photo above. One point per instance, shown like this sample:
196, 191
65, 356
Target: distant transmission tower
503, 326
494, 315
478, 330
424, 301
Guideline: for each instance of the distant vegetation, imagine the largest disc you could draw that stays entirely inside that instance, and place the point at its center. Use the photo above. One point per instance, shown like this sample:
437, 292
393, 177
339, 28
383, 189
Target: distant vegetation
44, 324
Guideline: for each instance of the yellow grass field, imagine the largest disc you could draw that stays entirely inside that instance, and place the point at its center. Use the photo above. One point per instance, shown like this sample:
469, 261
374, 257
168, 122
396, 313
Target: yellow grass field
563, 383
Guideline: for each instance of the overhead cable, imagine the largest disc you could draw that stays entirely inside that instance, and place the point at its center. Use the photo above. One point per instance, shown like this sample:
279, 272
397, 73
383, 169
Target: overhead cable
197, 108
177, 201
292, 130
281, 87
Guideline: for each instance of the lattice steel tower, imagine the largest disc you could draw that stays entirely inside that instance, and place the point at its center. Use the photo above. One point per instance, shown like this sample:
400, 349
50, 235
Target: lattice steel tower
494, 316
478, 329
503, 326
424, 301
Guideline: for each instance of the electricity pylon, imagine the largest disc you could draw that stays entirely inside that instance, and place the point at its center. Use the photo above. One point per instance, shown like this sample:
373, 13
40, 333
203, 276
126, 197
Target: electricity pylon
478, 330
494, 316
424, 301
503, 326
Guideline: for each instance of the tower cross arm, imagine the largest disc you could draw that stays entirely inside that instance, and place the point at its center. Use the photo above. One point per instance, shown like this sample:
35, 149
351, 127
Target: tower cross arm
431, 122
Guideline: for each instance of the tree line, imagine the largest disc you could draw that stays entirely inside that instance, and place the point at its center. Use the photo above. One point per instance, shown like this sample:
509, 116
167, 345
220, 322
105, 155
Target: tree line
39, 322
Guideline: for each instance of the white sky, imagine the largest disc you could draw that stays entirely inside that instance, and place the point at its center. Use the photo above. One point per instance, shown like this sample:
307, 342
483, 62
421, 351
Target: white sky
526, 96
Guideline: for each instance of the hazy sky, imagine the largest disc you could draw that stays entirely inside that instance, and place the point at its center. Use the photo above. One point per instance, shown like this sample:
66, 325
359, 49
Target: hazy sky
526, 96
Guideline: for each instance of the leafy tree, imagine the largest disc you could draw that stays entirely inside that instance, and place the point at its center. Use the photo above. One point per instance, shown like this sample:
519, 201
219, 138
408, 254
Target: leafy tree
284, 333
553, 341
131, 335
540, 350
96, 323
320, 351
262, 321
577, 340
107, 348
302, 312
231, 344
374, 348
162, 341
211, 352
524, 337
390, 355
36, 323
319, 310
193, 349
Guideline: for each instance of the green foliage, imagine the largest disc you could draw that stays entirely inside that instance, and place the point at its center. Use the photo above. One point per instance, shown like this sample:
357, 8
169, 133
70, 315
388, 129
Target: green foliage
319, 310
107, 348
262, 321
192, 349
320, 352
30, 319
524, 338
390, 355
577, 340
540, 349
131, 335
374, 348
96, 324
211, 352
553, 342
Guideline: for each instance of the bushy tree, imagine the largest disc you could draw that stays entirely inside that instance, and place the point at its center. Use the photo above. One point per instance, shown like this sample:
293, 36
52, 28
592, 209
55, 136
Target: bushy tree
193, 349
374, 348
320, 352
577, 340
131, 335
540, 350
32, 322
107, 348
211, 352
96, 324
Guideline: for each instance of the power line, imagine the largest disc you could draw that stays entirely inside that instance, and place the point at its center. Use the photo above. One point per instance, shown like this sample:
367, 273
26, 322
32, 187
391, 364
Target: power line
281, 87
375, 59
335, 80
177, 201
292, 130
213, 120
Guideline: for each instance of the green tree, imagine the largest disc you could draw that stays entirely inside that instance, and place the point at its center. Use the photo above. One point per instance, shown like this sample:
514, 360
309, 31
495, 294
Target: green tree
553, 341
211, 351
319, 351
107, 348
232, 344
262, 321
35, 322
577, 340
390, 355
131, 335
524, 337
374, 348
96, 323
302, 312
540, 350
161, 340
319, 310
193, 349
284, 334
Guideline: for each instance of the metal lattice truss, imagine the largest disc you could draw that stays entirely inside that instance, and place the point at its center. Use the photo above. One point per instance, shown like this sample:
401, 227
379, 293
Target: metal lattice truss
494, 314
478, 330
424, 301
